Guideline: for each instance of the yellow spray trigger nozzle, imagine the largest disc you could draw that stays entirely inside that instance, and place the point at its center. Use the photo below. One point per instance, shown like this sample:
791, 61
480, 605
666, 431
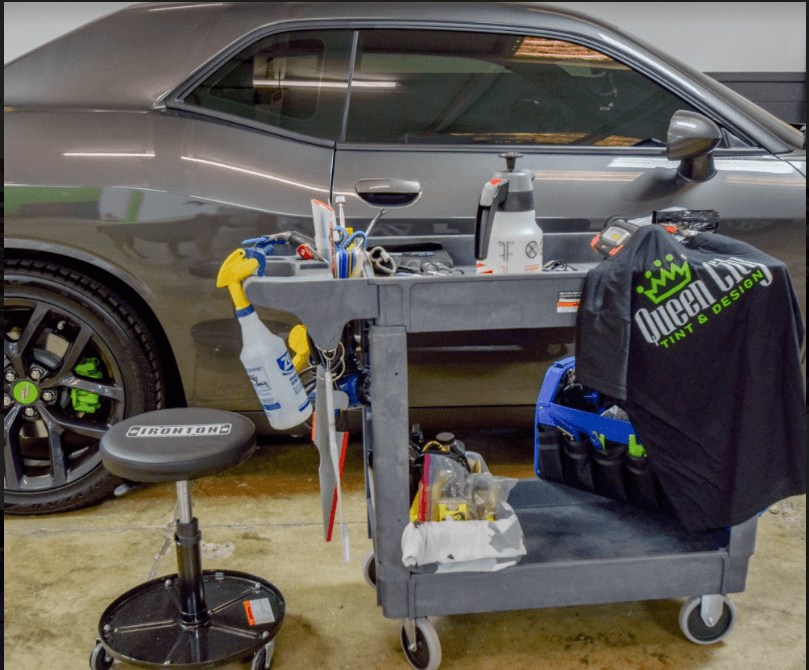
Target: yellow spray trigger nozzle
236, 268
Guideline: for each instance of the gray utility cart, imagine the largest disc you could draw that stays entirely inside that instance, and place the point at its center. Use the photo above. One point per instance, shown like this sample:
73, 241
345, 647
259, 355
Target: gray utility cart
582, 548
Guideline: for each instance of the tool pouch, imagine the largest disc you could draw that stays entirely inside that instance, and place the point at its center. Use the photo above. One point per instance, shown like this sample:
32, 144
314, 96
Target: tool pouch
612, 472
585, 440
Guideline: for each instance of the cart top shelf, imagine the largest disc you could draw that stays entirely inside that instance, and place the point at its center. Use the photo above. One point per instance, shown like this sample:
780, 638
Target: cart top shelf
418, 303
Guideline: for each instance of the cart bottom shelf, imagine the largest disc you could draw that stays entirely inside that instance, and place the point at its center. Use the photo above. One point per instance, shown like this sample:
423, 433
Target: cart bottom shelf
561, 523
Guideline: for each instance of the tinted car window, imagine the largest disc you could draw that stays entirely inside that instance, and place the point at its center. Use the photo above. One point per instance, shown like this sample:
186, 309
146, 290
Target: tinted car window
459, 88
295, 81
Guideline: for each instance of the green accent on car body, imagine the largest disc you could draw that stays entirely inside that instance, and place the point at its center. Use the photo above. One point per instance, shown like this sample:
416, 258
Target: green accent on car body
87, 401
16, 197
25, 392
134, 207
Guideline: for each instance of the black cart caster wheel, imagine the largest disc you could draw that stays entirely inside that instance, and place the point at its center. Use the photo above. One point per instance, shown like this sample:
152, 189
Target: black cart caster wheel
695, 628
427, 652
369, 568
263, 658
100, 659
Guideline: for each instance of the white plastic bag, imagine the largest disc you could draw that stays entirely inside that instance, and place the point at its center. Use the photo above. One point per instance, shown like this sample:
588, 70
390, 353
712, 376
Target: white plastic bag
464, 546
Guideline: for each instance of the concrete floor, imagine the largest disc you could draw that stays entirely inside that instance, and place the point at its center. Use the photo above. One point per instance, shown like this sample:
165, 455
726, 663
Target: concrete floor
264, 517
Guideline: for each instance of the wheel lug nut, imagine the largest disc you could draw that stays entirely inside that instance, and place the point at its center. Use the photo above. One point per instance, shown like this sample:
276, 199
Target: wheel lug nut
36, 373
29, 412
10, 376
7, 401
48, 396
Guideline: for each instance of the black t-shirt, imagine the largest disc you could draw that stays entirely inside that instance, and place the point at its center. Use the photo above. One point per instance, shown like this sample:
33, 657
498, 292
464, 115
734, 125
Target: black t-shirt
700, 343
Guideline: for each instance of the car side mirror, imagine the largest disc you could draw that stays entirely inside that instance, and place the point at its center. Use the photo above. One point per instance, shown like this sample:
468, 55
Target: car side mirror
388, 193
691, 139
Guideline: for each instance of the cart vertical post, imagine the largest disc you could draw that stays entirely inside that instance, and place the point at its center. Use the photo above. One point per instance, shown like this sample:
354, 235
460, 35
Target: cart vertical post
391, 469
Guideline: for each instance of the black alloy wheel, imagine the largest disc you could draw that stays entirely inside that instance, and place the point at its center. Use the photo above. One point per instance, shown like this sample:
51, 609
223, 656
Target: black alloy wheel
76, 360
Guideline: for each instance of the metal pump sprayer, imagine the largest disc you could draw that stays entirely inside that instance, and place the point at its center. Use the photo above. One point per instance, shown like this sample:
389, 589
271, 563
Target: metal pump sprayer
264, 355
507, 237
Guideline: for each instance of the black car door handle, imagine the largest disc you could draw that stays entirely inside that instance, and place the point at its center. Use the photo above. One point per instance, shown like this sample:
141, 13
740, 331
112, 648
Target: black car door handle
388, 192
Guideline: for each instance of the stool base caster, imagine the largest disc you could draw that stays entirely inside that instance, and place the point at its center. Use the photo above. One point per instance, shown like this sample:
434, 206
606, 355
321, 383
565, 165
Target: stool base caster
420, 644
263, 658
143, 627
99, 658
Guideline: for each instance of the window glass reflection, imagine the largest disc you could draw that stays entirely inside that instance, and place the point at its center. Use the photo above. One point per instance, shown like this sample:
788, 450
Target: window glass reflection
482, 88
295, 81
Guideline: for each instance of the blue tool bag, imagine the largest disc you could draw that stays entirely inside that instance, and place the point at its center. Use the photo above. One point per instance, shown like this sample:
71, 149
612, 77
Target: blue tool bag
583, 439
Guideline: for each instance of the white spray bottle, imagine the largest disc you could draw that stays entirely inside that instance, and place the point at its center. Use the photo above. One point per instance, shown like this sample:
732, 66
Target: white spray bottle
264, 355
507, 237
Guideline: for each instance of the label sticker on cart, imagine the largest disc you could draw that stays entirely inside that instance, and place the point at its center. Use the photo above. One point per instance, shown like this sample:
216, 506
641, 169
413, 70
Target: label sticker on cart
568, 301
259, 611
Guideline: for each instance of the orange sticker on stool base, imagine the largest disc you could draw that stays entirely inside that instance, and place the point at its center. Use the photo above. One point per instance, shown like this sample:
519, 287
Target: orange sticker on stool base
259, 611
249, 609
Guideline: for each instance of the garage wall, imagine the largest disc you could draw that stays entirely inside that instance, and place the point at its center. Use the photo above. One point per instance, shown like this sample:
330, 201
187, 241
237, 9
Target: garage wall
755, 48
28, 25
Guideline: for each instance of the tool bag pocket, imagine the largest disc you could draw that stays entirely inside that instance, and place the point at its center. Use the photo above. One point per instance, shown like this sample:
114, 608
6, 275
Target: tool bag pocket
611, 472
549, 453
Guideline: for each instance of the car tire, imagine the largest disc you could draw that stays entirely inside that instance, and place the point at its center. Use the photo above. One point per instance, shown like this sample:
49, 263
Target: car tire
77, 359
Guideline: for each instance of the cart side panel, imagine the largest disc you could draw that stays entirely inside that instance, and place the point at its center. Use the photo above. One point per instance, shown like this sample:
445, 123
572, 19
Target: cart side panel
565, 584
458, 303
492, 303
741, 548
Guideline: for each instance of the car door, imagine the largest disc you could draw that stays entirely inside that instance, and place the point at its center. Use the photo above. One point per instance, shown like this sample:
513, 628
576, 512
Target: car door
439, 106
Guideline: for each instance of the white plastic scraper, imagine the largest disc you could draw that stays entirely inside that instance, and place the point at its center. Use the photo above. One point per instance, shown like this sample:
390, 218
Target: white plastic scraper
332, 447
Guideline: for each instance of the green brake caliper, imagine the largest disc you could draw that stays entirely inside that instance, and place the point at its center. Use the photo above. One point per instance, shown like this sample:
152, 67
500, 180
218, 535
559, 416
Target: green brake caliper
87, 401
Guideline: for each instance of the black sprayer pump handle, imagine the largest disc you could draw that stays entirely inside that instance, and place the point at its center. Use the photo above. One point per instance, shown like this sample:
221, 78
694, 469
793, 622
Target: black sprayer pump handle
485, 218
511, 159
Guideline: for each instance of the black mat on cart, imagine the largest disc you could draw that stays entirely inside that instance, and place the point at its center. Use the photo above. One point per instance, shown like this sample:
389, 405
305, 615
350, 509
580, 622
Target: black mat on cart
563, 523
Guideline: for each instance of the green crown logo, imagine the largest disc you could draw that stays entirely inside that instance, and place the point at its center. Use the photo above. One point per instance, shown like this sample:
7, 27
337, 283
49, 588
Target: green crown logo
658, 284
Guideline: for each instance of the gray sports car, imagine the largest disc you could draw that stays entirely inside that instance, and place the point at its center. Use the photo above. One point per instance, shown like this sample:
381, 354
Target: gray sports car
143, 148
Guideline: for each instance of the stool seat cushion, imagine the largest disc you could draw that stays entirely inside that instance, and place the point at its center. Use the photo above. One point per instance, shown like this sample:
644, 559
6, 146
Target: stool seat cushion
177, 444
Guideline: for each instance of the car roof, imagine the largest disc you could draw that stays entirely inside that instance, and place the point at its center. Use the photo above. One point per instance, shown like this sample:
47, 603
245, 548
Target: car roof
132, 59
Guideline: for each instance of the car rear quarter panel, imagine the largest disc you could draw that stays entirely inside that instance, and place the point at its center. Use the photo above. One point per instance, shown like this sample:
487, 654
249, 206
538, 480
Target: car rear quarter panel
160, 200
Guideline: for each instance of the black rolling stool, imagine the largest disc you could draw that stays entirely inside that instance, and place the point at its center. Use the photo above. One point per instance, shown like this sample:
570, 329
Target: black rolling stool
192, 619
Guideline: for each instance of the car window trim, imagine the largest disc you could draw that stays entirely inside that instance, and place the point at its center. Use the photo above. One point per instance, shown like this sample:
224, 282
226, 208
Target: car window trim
355, 39
203, 114
173, 98
529, 149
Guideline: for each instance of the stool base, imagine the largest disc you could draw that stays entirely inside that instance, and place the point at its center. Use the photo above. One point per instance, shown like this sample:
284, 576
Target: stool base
143, 626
